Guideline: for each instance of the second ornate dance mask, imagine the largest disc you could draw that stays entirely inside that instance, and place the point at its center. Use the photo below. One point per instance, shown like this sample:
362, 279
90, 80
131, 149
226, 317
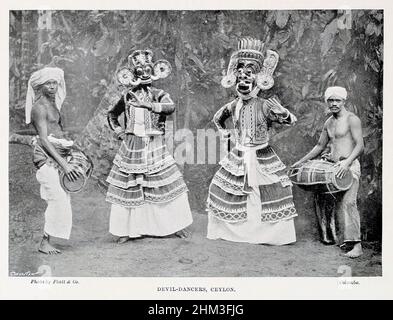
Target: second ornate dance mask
248, 69
142, 70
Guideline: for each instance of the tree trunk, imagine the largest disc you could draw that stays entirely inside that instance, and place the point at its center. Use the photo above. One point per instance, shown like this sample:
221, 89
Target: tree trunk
25, 44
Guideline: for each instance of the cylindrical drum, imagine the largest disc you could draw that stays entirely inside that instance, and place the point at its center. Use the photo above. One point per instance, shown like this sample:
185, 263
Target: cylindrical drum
320, 176
85, 166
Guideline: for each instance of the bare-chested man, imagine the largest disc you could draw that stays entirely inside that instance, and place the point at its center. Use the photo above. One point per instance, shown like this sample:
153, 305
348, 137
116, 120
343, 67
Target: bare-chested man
45, 95
342, 132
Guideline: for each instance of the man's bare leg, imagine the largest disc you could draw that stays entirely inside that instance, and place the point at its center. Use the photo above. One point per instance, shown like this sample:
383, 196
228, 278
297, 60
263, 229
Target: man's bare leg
356, 251
321, 211
333, 226
46, 247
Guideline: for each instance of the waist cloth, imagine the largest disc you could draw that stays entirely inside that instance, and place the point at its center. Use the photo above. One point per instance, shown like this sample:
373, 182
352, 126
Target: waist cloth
144, 171
241, 171
40, 156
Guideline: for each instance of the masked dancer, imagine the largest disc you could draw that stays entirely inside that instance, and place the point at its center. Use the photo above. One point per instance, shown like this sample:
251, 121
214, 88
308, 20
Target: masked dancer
250, 196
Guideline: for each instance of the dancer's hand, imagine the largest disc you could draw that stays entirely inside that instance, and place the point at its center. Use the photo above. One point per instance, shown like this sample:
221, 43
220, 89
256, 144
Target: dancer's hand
226, 134
121, 135
276, 107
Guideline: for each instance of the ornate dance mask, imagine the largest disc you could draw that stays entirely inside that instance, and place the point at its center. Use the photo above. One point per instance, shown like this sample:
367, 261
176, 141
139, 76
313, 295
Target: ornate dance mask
141, 70
248, 69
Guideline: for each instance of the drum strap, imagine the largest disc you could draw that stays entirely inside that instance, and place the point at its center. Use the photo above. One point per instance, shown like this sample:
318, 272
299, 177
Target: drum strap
330, 191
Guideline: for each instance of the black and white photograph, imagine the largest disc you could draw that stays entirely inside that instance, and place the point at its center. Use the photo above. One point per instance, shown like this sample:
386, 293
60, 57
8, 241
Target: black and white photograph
196, 143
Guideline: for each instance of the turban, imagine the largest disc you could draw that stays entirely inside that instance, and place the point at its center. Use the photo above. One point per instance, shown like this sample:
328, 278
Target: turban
339, 92
40, 77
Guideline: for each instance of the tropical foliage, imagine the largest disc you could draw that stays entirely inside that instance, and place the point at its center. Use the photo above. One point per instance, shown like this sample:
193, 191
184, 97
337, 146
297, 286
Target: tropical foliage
317, 49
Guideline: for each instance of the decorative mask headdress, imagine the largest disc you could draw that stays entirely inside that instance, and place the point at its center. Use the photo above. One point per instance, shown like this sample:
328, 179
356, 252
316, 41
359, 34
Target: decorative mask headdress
141, 58
252, 49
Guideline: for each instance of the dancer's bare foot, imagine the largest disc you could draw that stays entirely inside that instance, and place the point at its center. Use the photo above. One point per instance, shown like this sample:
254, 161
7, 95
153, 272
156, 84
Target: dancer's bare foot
122, 240
46, 247
327, 242
183, 234
356, 251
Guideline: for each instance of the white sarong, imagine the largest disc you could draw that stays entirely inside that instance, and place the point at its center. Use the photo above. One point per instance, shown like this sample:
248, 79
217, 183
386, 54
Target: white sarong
58, 214
253, 230
151, 219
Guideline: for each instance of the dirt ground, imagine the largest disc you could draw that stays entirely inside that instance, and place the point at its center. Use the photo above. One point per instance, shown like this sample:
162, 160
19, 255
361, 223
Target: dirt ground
91, 251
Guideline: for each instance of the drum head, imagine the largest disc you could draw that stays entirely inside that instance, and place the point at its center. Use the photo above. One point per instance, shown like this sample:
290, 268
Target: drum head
345, 182
72, 186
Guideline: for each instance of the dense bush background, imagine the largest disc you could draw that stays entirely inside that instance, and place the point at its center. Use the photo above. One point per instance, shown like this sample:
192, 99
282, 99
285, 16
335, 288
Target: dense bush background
317, 49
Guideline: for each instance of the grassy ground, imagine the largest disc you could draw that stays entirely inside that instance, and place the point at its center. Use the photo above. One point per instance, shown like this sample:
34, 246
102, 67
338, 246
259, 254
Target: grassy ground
91, 251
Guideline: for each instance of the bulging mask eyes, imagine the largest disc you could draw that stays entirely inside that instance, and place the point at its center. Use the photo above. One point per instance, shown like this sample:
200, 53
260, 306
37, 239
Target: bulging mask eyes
248, 71
148, 70
239, 70
252, 68
139, 71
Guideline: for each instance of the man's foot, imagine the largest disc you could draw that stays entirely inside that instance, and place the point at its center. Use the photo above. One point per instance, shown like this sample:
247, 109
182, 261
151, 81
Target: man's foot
47, 248
183, 234
355, 252
122, 240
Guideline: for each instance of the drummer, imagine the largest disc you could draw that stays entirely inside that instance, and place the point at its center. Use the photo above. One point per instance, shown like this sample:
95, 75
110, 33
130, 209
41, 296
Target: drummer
342, 132
45, 95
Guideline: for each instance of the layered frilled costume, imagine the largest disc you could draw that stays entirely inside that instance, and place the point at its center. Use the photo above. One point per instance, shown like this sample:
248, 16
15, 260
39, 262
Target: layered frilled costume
146, 189
250, 196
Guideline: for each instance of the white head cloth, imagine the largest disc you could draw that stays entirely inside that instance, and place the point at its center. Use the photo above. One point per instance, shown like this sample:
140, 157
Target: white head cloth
338, 92
40, 77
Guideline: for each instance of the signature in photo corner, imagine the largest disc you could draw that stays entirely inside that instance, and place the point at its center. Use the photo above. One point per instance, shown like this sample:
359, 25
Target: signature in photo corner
42, 271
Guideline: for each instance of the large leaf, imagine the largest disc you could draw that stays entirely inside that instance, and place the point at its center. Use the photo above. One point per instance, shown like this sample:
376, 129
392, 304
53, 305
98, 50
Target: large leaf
178, 62
282, 17
344, 22
198, 62
372, 63
328, 35
378, 30
379, 16
108, 46
271, 16
298, 29
66, 24
370, 29
101, 46
368, 131
328, 75
345, 35
305, 90
283, 36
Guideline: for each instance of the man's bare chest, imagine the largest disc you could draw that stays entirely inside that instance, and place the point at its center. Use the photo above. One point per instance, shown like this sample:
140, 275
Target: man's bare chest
52, 114
338, 128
